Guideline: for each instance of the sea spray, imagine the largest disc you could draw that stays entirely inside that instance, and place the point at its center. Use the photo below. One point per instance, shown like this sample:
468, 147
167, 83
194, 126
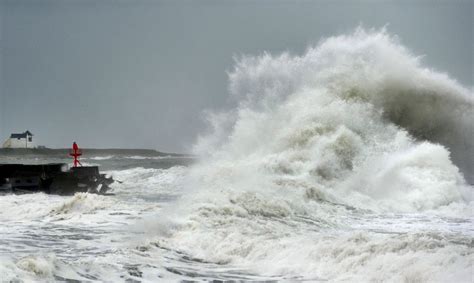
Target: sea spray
322, 143
323, 118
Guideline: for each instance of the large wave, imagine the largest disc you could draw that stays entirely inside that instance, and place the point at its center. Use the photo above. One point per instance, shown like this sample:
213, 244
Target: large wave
356, 114
355, 125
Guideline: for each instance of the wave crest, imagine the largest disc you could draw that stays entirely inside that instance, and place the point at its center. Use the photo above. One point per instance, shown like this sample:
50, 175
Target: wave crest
325, 116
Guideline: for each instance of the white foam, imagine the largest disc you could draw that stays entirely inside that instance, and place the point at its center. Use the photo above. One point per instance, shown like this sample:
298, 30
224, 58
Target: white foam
356, 114
354, 125
107, 157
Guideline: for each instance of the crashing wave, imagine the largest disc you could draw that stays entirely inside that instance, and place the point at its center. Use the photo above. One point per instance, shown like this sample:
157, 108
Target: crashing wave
320, 142
357, 116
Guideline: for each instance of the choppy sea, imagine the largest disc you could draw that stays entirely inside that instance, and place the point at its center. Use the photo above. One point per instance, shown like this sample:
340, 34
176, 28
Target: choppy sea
350, 163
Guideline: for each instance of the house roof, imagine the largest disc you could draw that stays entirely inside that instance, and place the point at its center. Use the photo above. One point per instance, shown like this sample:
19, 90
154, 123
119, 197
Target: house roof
21, 136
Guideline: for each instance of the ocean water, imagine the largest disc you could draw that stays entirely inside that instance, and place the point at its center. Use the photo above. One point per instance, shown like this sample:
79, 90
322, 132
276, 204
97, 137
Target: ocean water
349, 163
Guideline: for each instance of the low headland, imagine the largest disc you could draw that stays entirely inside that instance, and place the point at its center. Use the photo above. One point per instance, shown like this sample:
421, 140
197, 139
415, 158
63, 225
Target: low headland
61, 152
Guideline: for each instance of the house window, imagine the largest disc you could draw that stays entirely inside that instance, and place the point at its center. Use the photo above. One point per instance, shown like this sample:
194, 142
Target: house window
30, 139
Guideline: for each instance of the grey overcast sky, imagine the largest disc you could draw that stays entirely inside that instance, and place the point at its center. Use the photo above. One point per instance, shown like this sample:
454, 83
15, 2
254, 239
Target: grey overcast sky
138, 74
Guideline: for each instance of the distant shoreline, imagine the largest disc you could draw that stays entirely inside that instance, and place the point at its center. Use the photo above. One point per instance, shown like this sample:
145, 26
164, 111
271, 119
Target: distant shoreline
88, 152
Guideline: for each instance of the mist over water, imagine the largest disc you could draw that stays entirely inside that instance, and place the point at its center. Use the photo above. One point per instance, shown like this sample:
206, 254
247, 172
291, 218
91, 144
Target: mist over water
346, 163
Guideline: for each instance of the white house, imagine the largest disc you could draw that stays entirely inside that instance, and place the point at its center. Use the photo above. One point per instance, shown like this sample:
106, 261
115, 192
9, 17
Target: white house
24, 140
